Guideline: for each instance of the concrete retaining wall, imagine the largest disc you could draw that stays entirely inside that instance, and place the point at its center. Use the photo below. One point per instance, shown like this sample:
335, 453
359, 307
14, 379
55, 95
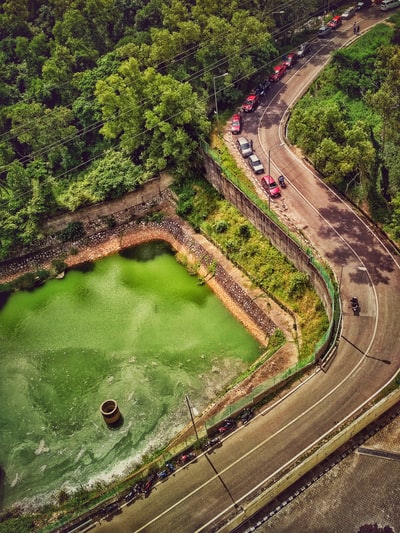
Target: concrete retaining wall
269, 229
295, 472
145, 194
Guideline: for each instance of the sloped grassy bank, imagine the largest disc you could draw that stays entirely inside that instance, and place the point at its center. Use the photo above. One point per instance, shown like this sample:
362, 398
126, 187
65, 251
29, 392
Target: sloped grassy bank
253, 253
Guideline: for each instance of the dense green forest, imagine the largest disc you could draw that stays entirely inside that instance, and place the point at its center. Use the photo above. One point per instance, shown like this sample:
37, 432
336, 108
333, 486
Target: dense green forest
96, 96
347, 123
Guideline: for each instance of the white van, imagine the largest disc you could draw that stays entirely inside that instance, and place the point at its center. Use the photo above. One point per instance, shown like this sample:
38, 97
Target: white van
389, 4
245, 147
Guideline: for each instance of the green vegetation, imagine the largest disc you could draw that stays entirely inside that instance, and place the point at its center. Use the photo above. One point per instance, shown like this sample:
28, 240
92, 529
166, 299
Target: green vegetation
33, 279
73, 231
347, 123
16, 524
98, 96
268, 268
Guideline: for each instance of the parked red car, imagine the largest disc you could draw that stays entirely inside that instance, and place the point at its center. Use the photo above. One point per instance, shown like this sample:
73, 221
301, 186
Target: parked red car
250, 103
335, 22
270, 186
236, 124
290, 60
228, 425
279, 72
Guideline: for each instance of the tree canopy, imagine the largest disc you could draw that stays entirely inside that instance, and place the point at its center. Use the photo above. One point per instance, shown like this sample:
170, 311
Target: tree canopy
90, 85
102, 94
347, 123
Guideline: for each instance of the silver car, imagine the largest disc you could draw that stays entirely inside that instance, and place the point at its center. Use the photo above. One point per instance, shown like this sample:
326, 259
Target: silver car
350, 12
255, 164
303, 50
245, 147
324, 31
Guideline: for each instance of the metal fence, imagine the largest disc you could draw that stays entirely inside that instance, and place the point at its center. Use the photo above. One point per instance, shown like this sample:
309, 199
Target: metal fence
274, 225
257, 394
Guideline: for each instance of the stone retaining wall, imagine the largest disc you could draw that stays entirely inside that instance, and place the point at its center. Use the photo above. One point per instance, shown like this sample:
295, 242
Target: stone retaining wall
272, 231
137, 204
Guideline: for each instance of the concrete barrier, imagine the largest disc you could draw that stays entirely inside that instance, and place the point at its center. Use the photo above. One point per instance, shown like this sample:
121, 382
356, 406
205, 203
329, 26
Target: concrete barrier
294, 471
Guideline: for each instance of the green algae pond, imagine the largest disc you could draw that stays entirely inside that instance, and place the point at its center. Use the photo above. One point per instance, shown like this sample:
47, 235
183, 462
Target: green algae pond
135, 327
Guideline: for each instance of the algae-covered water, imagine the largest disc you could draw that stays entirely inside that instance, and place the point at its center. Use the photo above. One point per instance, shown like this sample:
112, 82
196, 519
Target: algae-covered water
134, 327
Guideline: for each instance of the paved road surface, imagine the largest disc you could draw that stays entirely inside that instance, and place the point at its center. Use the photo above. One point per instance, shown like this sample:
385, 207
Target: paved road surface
357, 491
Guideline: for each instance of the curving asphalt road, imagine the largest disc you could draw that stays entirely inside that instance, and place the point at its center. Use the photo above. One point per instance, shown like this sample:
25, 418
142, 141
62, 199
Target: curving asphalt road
203, 494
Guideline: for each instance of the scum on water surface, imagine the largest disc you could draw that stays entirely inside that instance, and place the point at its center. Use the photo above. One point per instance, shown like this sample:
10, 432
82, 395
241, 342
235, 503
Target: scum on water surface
138, 329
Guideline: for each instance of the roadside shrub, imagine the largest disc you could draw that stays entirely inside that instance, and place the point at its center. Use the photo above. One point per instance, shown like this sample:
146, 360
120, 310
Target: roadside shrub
157, 216
221, 226
299, 282
73, 231
184, 208
244, 231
